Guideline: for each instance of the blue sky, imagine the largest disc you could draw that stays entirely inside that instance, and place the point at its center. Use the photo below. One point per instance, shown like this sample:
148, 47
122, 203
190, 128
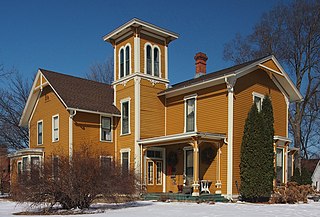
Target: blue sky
66, 36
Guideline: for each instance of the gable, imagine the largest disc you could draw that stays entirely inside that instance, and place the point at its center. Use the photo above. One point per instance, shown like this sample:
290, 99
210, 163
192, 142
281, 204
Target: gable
271, 65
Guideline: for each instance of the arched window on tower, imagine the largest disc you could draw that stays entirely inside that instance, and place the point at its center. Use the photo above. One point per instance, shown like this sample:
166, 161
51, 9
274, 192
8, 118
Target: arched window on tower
121, 63
156, 62
127, 60
149, 60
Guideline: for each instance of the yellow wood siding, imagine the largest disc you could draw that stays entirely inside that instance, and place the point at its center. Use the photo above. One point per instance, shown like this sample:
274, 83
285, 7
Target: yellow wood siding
124, 42
211, 114
126, 141
257, 81
152, 110
145, 39
86, 134
270, 64
48, 106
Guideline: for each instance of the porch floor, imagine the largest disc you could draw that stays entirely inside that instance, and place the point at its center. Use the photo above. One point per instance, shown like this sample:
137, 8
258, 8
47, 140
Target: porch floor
184, 197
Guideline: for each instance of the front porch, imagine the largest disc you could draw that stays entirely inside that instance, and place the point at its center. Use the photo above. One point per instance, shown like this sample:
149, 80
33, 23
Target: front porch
184, 166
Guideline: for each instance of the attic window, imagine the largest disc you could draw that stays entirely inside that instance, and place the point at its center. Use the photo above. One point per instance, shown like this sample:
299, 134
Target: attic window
257, 100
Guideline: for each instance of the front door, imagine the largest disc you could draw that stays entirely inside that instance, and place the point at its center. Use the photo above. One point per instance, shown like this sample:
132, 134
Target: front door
154, 175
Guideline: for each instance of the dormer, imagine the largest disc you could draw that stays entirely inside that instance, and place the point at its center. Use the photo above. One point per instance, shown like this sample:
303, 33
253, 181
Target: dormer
140, 47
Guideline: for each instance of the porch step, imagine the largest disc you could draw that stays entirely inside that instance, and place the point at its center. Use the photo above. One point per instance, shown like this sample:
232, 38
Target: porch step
183, 197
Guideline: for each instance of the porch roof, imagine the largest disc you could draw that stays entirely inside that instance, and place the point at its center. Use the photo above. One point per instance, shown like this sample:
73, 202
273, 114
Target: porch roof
182, 137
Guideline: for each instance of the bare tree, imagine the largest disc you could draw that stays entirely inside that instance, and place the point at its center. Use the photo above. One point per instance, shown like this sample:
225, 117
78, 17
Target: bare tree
292, 33
12, 102
101, 71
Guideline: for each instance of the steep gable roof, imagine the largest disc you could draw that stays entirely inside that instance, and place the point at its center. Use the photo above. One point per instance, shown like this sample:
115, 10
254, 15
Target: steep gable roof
75, 93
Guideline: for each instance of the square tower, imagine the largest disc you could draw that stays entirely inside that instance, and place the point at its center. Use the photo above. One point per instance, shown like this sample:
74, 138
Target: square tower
140, 73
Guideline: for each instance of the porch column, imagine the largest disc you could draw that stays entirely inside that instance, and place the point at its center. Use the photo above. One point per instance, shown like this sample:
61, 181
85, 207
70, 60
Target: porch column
195, 184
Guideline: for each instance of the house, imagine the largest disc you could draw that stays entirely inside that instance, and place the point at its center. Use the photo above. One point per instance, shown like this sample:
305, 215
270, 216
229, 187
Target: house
4, 170
187, 134
313, 167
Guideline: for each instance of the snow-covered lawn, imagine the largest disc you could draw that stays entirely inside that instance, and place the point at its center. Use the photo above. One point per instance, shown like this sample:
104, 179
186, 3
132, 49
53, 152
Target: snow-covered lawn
173, 209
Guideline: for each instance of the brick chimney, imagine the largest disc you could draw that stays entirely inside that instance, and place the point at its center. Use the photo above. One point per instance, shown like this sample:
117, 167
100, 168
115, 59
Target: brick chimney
201, 64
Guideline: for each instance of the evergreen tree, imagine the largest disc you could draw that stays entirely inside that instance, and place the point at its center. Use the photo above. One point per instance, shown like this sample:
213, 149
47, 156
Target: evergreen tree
256, 166
266, 150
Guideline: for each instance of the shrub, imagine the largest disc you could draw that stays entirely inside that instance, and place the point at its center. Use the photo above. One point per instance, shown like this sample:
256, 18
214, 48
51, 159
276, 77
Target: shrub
291, 193
74, 184
256, 166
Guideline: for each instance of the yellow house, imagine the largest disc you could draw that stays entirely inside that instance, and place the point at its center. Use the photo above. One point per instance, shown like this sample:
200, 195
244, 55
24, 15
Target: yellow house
187, 134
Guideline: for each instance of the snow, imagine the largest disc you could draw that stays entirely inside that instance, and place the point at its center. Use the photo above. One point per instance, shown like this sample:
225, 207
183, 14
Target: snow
174, 209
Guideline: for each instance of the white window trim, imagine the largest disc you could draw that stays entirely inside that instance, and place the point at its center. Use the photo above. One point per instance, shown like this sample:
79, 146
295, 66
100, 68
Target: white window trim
161, 183
40, 121
101, 116
124, 150
57, 115
129, 116
124, 60
261, 96
185, 149
193, 96
152, 59
19, 161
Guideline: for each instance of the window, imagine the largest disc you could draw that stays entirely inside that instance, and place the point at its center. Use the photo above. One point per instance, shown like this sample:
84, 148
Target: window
125, 159
124, 61
279, 166
125, 120
257, 100
150, 172
190, 115
127, 60
154, 154
156, 62
152, 60
24, 164
35, 167
40, 132
289, 166
159, 173
105, 163
55, 128
105, 129
121, 63
149, 60
19, 170
55, 167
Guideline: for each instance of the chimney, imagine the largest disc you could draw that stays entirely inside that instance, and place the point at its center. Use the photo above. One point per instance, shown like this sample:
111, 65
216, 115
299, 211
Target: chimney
201, 64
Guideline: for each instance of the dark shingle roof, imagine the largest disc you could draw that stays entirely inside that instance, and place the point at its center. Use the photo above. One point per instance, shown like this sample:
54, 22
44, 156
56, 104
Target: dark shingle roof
211, 75
81, 93
309, 164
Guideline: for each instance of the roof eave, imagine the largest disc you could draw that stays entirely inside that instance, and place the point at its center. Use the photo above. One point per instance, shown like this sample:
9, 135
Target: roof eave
111, 36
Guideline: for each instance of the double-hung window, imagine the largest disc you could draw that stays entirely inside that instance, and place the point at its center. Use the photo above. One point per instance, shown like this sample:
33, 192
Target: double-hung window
125, 160
40, 132
55, 128
257, 100
125, 117
190, 114
105, 129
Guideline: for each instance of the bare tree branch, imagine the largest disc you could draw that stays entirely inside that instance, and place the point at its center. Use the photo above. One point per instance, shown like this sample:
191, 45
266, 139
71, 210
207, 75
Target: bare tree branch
101, 71
292, 33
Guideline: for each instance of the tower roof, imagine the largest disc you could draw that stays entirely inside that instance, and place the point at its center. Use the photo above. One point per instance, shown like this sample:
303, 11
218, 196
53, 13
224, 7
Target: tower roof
145, 27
